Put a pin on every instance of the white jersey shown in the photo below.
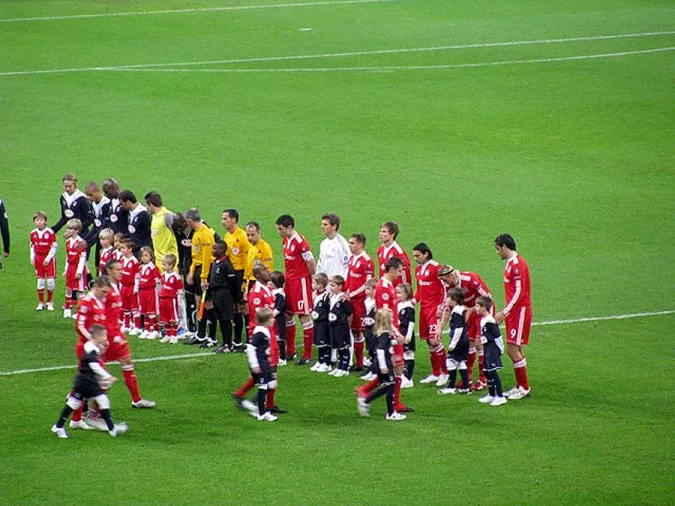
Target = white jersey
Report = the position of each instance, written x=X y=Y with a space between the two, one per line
x=334 y=256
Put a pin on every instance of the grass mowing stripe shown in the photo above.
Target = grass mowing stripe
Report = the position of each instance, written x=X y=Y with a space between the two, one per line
x=334 y=55
x=203 y=354
x=195 y=11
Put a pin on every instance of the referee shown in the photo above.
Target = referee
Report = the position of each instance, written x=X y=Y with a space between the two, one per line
x=203 y=240
x=4 y=230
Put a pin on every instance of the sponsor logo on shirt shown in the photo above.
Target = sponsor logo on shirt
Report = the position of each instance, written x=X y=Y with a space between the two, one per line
x=132 y=229
x=69 y=213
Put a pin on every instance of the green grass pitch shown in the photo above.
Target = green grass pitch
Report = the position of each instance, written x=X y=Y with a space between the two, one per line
x=408 y=110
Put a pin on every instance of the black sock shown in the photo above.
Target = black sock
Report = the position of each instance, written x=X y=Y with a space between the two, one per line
x=262 y=394
x=190 y=307
x=390 y=399
x=213 y=324
x=344 y=358
x=226 y=332
x=491 y=383
x=64 y=416
x=497 y=383
x=409 y=368
x=282 y=348
x=105 y=413
x=201 y=327
x=238 y=321
x=452 y=375
x=378 y=392
x=465 y=377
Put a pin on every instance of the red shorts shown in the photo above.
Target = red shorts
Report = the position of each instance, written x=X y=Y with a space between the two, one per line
x=518 y=324
x=358 y=313
x=298 y=296
x=428 y=322
x=398 y=356
x=42 y=271
x=129 y=298
x=473 y=323
x=118 y=348
x=147 y=300
x=72 y=282
x=168 y=310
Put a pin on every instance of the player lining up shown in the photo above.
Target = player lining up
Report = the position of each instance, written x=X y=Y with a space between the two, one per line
x=42 y=256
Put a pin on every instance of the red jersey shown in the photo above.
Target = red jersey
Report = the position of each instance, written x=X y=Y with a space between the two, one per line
x=172 y=285
x=384 y=253
x=90 y=311
x=106 y=255
x=113 y=311
x=130 y=272
x=75 y=256
x=360 y=269
x=430 y=289
x=472 y=287
x=516 y=284
x=149 y=276
x=117 y=255
x=385 y=297
x=42 y=243
x=296 y=255
x=258 y=297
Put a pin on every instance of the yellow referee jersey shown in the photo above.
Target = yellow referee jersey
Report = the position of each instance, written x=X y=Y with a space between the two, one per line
x=202 y=246
x=261 y=253
x=237 y=248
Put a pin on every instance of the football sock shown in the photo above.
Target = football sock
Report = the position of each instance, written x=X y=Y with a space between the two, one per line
x=481 y=365
x=471 y=361
x=390 y=399
x=308 y=339
x=364 y=390
x=248 y=385
x=138 y=321
x=41 y=294
x=435 y=368
x=269 y=400
x=261 y=401
x=64 y=416
x=344 y=358
x=497 y=383
x=213 y=323
x=379 y=392
x=226 y=332
x=131 y=381
x=77 y=413
x=397 y=393
x=282 y=348
x=105 y=413
x=201 y=327
x=520 y=370
x=464 y=373
x=358 y=352
x=290 y=335
x=238 y=321
x=491 y=383
x=50 y=295
x=126 y=318
x=409 y=368
x=452 y=375
x=190 y=308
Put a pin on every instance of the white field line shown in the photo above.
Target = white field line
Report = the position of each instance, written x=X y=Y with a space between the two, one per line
x=207 y=354
x=342 y=55
x=397 y=67
x=198 y=10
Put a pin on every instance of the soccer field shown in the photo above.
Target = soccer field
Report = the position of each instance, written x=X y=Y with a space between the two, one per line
x=460 y=120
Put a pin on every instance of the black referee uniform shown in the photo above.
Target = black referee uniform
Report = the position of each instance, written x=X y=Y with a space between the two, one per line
x=338 y=323
x=221 y=292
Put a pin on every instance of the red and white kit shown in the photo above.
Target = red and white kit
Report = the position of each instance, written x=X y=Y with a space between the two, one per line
x=298 y=286
x=385 y=297
x=384 y=253
x=359 y=270
x=518 y=309
x=105 y=256
x=118 y=348
x=148 y=288
x=91 y=311
x=129 y=286
x=472 y=287
x=171 y=290
x=430 y=295
x=76 y=263
x=259 y=297
x=43 y=248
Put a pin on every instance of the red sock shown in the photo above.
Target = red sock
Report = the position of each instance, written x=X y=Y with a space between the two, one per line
x=68 y=303
x=126 y=319
x=50 y=295
x=137 y=321
x=470 y=363
x=132 y=382
x=248 y=385
x=364 y=390
x=520 y=369
x=442 y=360
x=146 y=323
x=290 y=337
x=151 y=323
x=308 y=339
x=481 y=366
x=41 y=294
x=77 y=414
x=358 y=352
x=269 y=400
x=172 y=329
x=433 y=357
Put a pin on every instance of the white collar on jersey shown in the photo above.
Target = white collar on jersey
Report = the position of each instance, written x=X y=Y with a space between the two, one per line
x=487 y=319
x=458 y=309
x=89 y=346
x=403 y=305
x=139 y=209
x=264 y=330
x=278 y=291
x=72 y=198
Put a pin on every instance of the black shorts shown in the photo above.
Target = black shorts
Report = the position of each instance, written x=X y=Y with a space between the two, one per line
x=493 y=357
x=196 y=287
x=86 y=390
x=223 y=304
x=339 y=336
x=264 y=376
x=385 y=379
x=239 y=279
x=409 y=346
x=461 y=351
x=321 y=333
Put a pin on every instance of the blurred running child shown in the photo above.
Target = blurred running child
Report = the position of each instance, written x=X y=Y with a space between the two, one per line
x=257 y=352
